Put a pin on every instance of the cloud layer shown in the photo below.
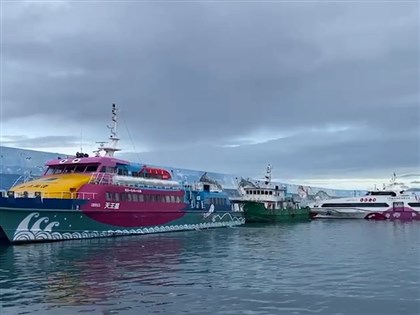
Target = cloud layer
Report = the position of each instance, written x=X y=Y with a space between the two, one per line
x=315 y=88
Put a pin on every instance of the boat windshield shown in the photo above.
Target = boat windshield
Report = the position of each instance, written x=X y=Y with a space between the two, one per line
x=65 y=169
x=381 y=193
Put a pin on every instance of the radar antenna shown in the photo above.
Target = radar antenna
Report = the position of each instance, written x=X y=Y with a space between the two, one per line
x=112 y=147
x=268 y=175
x=101 y=147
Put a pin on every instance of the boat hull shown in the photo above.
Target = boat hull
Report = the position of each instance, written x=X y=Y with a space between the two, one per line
x=256 y=212
x=401 y=214
x=317 y=213
x=41 y=225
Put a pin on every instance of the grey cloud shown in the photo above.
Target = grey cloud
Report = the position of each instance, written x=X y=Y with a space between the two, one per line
x=46 y=142
x=192 y=76
x=322 y=155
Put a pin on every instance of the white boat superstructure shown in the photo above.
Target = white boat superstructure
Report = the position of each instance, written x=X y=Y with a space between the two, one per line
x=273 y=196
x=388 y=203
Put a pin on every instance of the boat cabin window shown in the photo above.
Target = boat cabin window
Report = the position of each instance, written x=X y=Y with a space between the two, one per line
x=355 y=205
x=91 y=168
x=65 y=169
x=107 y=169
x=121 y=170
x=108 y=196
x=135 y=197
x=381 y=193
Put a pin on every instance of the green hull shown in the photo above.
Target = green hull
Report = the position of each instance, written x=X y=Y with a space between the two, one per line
x=256 y=212
x=36 y=225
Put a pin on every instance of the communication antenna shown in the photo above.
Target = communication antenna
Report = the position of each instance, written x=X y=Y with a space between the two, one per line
x=268 y=175
x=81 y=140
x=109 y=150
x=100 y=148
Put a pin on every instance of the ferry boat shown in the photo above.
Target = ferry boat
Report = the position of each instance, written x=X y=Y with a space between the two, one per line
x=101 y=196
x=268 y=204
x=390 y=203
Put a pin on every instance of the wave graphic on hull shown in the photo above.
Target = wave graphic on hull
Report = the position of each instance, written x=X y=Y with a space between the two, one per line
x=220 y=218
x=27 y=233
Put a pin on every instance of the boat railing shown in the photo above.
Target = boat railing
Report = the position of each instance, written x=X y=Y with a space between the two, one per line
x=53 y=195
x=130 y=181
x=101 y=179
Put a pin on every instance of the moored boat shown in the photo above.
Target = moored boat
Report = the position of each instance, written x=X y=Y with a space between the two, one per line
x=268 y=204
x=390 y=203
x=100 y=196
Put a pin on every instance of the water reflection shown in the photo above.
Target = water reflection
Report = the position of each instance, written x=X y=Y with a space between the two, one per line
x=86 y=271
x=324 y=267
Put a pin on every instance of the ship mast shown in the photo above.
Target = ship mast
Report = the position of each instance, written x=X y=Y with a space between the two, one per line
x=112 y=147
x=268 y=175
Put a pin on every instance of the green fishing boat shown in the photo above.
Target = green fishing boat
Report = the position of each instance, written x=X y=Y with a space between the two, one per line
x=268 y=204
x=263 y=212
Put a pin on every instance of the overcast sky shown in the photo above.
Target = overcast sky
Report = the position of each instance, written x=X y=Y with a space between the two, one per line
x=321 y=89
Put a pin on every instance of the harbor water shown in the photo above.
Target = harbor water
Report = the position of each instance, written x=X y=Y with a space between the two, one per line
x=319 y=267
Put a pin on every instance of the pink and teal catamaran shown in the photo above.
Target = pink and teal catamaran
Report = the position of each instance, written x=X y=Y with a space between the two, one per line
x=102 y=196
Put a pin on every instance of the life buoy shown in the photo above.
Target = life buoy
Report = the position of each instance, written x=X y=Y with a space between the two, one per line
x=63 y=161
x=76 y=160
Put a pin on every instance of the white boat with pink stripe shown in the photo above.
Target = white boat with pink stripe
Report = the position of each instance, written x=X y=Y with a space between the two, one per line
x=393 y=202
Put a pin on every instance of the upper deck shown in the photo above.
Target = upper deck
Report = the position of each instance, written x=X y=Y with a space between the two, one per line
x=95 y=160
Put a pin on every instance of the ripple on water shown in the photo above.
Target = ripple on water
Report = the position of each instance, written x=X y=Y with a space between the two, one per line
x=335 y=267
